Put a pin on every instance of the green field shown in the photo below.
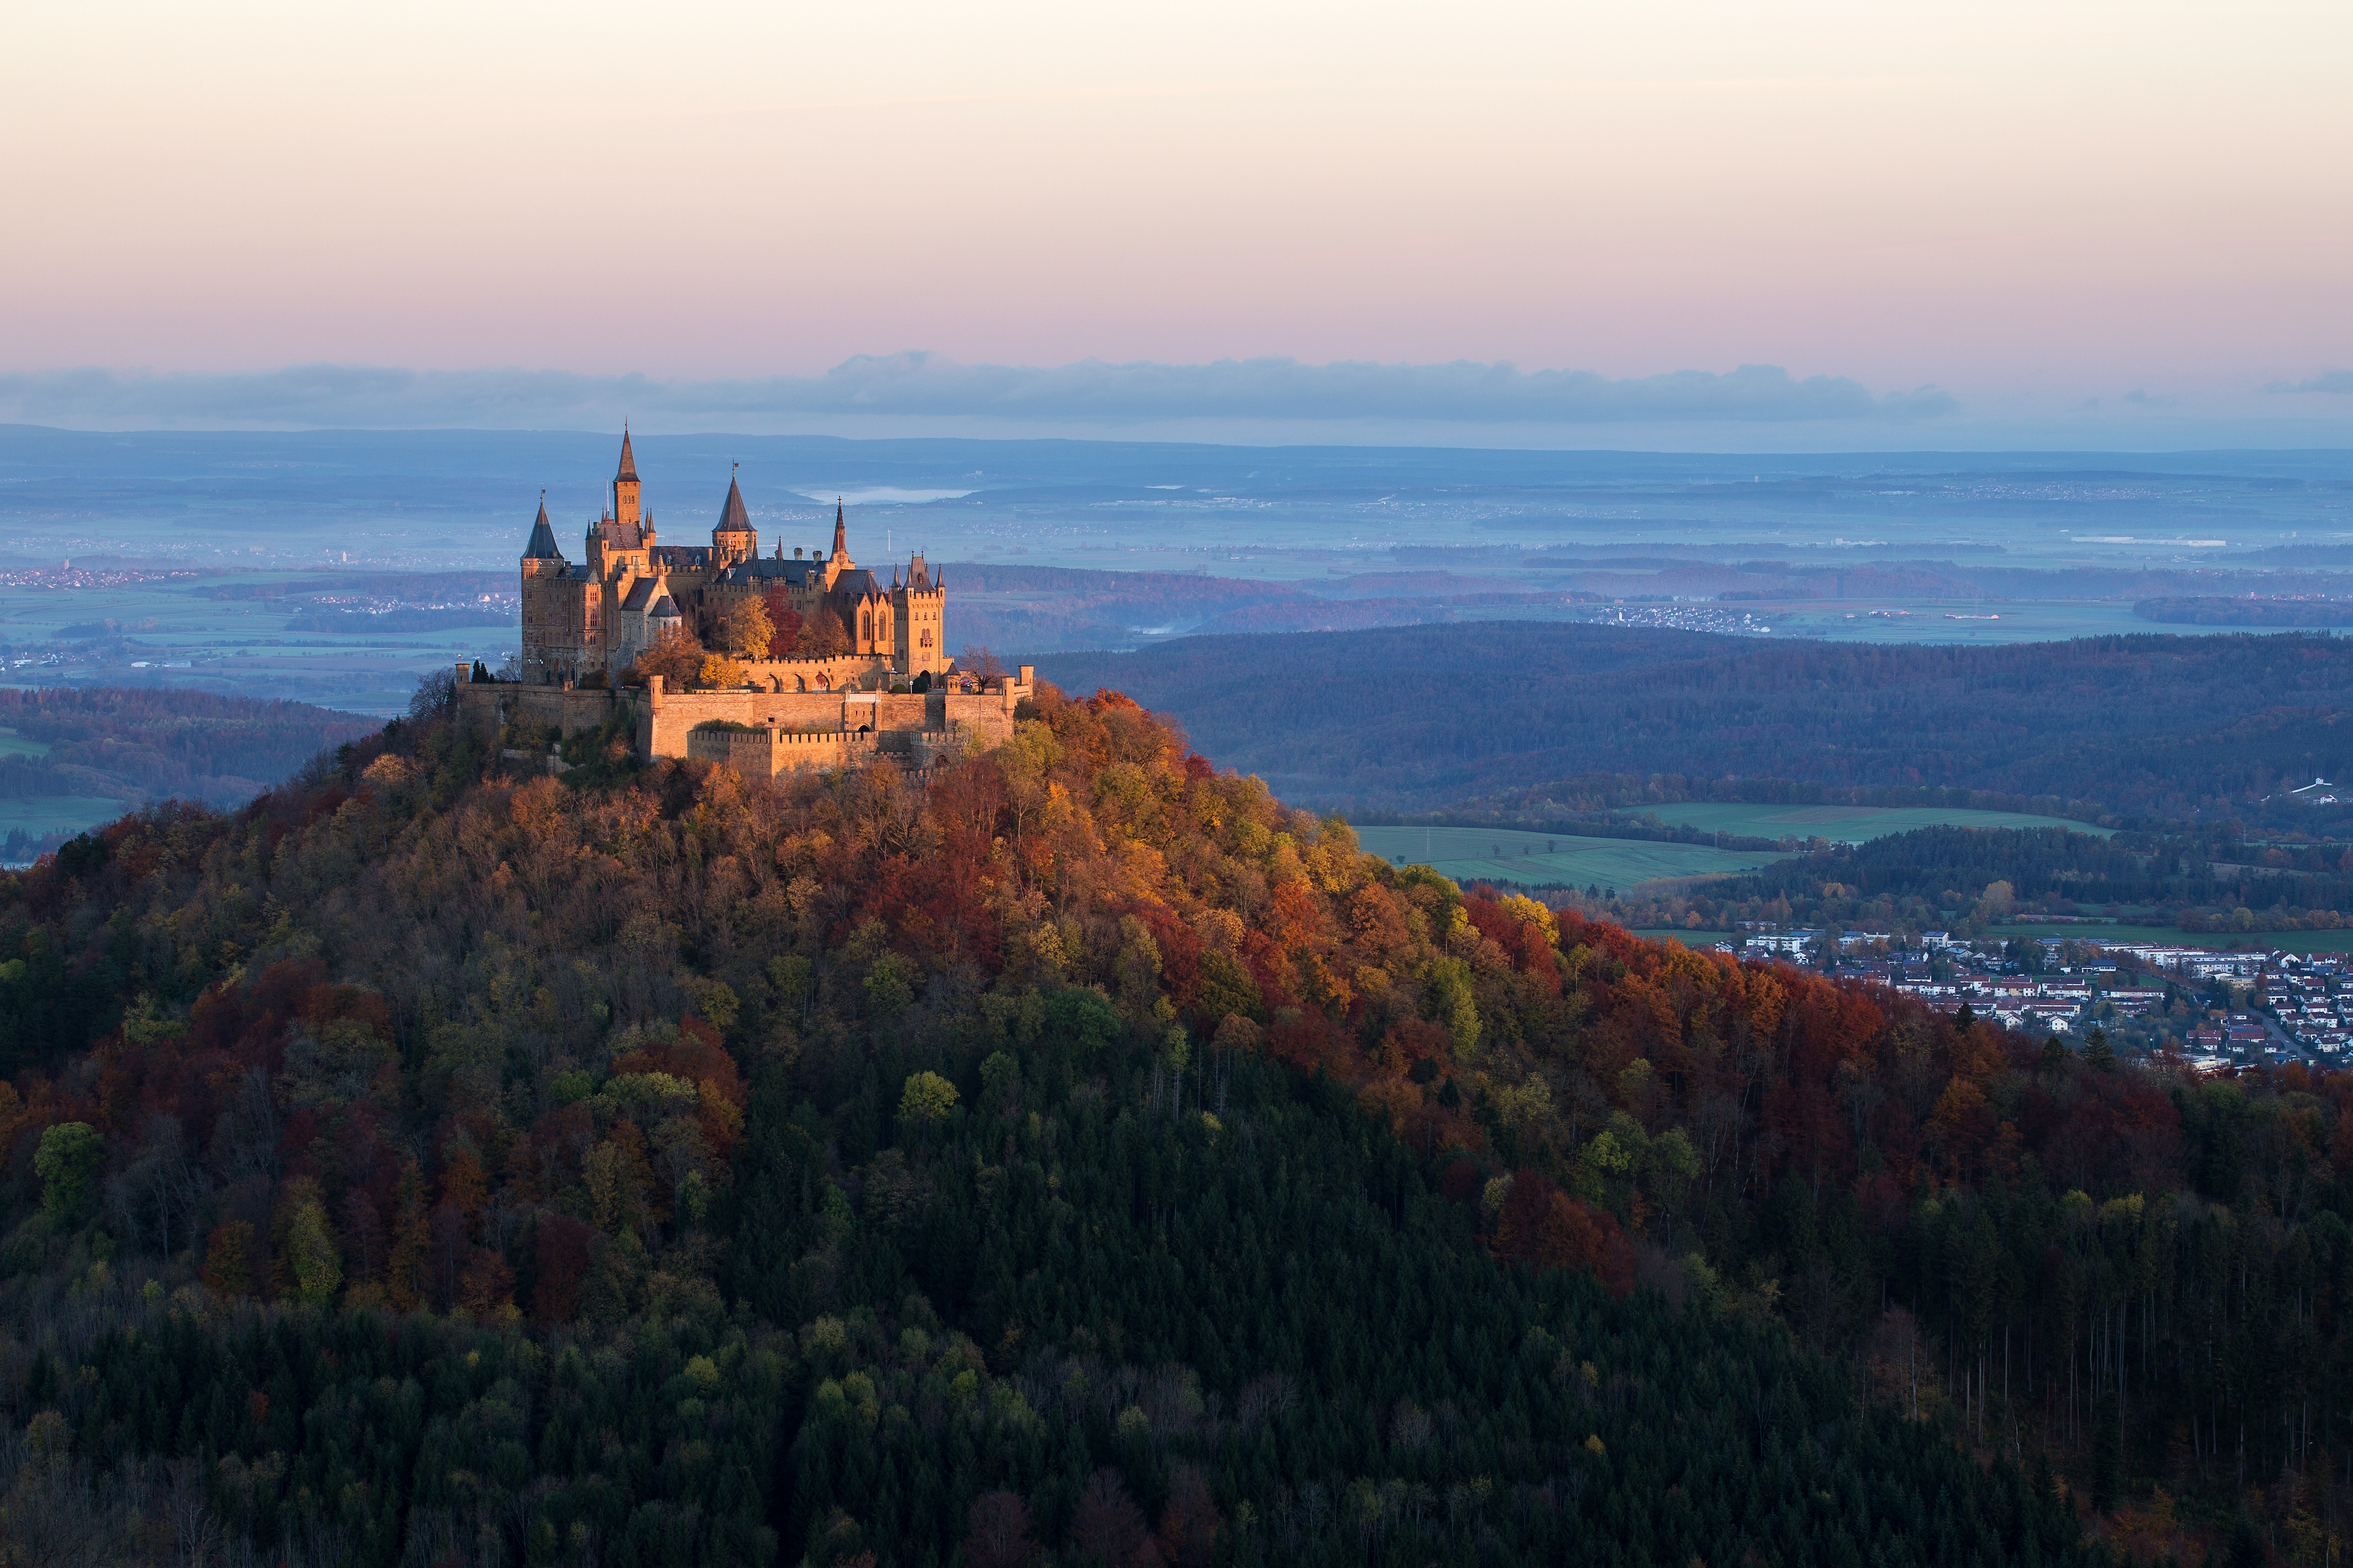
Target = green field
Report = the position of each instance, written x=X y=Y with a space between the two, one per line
x=2289 y=940
x=12 y=744
x=41 y=813
x=1844 y=824
x=1502 y=855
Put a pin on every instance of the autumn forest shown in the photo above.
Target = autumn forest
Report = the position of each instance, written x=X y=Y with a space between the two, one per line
x=1072 y=1156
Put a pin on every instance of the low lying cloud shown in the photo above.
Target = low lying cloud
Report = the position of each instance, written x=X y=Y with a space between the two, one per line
x=930 y=386
x=2326 y=381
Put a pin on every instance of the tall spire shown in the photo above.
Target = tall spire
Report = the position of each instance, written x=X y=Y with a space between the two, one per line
x=628 y=458
x=841 y=537
x=543 y=537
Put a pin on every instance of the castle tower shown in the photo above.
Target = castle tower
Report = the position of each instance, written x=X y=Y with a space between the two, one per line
x=840 y=529
x=546 y=628
x=625 y=486
x=734 y=539
x=919 y=622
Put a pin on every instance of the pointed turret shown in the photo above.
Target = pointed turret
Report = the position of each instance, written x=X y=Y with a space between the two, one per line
x=543 y=537
x=731 y=539
x=626 y=490
x=840 y=535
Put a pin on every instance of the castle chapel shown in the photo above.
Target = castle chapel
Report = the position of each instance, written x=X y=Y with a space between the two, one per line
x=594 y=617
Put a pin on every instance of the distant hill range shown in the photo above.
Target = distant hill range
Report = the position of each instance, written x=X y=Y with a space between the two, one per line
x=1400 y=719
x=1038 y=610
x=1029 y=610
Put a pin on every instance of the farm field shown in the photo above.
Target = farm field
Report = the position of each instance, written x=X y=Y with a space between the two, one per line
x=1502 y=855
x=42 y=814
x=1845 y=824
x=175 y=632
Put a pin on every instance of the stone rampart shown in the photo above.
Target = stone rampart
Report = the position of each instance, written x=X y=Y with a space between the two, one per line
x=486 y=709
x=760 y=733
x=765 y=753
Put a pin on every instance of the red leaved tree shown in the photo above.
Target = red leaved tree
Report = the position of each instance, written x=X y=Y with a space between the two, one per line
x=1542 y=1225
x=784 y=622
x=1108 y=1527
x=997 y=1531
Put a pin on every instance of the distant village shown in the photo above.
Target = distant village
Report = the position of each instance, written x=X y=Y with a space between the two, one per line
x=2211 y=1007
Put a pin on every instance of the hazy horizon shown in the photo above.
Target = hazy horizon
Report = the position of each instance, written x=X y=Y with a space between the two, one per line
x=1823 y=226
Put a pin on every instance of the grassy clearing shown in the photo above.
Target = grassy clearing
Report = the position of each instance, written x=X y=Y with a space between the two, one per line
x=12 y=744
x=1845 y=824
x=1500 y=854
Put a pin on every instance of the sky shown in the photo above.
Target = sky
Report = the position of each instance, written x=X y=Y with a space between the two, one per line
x=1612 y=223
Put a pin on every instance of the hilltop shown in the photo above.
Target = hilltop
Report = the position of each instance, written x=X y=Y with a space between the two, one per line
x=1088 y=1158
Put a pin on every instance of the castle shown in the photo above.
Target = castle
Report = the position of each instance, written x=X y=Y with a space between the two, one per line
x=887 y=690
x=596 y=618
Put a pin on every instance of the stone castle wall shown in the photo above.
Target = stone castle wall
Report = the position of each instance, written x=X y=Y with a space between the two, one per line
x=782 y=730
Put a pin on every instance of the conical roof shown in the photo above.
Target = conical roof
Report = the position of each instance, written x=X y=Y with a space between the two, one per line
x=840 y=535
x=628 y=458
x=733 y=518
x=543 y=539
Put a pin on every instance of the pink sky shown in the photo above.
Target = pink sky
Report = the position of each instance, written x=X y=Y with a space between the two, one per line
x=2029 y=205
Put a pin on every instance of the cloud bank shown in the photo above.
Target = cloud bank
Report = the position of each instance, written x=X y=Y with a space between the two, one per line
x=2326 y=381
x=928 y=385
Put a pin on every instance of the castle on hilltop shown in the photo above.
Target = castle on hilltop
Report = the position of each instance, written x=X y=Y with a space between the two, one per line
x=883 y=687
x=594 y=619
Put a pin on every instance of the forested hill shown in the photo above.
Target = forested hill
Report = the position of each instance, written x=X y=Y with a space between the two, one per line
x=1395 y=719
x=149 y=743
x=1083 y=1160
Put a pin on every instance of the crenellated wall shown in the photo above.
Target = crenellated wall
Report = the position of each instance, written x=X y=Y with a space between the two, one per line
x=781 y=730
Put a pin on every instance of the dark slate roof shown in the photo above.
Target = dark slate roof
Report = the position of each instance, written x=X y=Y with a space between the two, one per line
x=733 y=518
x=857 y=583
x=628 y=458
x=682 y=555
x=641 y=594
x=768 y=569
x=543 y=540
x=663 y=609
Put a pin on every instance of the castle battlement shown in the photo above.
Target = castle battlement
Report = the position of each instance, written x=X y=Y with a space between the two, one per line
x=760 y=735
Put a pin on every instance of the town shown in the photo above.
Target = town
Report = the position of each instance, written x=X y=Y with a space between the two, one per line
x=2209 y=1007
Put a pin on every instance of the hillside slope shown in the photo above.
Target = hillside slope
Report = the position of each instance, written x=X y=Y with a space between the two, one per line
x=1087 y=1159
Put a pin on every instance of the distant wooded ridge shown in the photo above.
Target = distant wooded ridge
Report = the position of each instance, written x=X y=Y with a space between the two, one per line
x=2221 y=612
x=134 y=743
x=1404 y=718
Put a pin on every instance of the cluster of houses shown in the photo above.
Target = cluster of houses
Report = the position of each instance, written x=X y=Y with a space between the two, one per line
x=2313 y=1000
x=2295 y=1004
